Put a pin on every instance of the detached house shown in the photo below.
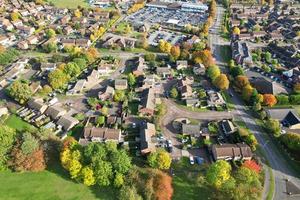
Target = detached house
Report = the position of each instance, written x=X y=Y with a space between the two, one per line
x=289 y=118
x=181 y=64
x=265 y=86
x=108 y=93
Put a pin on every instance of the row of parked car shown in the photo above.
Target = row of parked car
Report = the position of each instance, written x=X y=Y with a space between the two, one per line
x=273 y=76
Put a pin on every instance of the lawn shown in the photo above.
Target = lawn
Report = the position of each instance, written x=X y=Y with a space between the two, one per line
x=48 y=185
x=225 y=53
x=69 y=3
x=188 y=182
x=17 y=123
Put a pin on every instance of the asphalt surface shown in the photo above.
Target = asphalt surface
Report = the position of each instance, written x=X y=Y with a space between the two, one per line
x=279 y=165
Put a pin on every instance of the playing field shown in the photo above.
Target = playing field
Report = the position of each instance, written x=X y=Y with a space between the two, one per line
x=69 y=3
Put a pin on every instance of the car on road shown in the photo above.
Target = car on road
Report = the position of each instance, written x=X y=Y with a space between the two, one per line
x=122 y=71
x=192 y=161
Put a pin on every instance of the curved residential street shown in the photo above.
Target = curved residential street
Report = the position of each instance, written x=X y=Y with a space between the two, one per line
x=280 y=167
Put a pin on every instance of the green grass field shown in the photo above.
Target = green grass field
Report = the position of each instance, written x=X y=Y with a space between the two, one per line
x=188 y=181
x=17 y=123
x=69 y=3
x=48 y=185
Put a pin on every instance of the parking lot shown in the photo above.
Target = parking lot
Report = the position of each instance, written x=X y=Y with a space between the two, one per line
x=173 y=38
x=258 y=72
x=165 y=16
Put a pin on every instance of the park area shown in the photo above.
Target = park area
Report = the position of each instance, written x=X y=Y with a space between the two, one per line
x=48 y=185
x=69 y=3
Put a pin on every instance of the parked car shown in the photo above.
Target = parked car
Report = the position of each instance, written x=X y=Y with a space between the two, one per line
x=199 y=160
x=192 y=161
x=169 y=146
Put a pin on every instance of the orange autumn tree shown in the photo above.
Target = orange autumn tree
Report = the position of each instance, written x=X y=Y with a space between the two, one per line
x=241 y=81
x=205 y=57
x=163 y=186
x=269 y=100
x=252 y=165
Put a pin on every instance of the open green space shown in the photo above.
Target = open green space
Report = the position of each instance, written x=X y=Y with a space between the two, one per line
x=17 y=123
x=69 y=3
x=52 y=184
x=188 y=181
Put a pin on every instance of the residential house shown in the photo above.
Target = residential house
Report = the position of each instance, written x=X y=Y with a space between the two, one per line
x=147 y=106
x=199 y=69
x=92 y=79
x=84 y=43
x=47 y=66
x=231 y=152
x=121 y=84
x=78 y=87
x=163 y=71
x=140 y=65
x=32 y=40
x=241 y=53
x=215 y=99
x=55 y=112
x=23 y=45
x=4 y=41
x=192 y=102
x=181 y=64
x=228 y=127
x=266 y=86
x=67 y=122
x=147 y=134
x=288 y=117
x=149 y=81
x=97 y=134
x=108 y=93
x=37 y=105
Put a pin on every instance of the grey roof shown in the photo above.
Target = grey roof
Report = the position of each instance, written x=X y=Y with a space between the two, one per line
x=55 y=112
x=67 y=122
x=279 y=113
x=265 y=86
x=148 y=99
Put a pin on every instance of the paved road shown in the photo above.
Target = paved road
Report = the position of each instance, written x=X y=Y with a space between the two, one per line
x=216 y=42
x=280 y=167
x=174 y=111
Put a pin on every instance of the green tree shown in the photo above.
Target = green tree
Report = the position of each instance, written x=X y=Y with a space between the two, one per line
x=119 y=95
x=100 y=120
x=57 y=79
x=87 y=176
x=103 y=172
x=218 y=173
x=221 y=82
x=292 y=141
x=20 y=91
x=121 y=162
x=150 y=57
x=7 y=139
x=131 y=80
x=159 y=159
x=202 y=93
x=237 y=71
x=74 y=168
x=129 y=193
x=81 y=63
x=29 y=143
x=50 y=47
x=273 y=127
x=119 y=180
x=213 y=72
x=72 y=69
x=50 y=33
x=174 y=92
